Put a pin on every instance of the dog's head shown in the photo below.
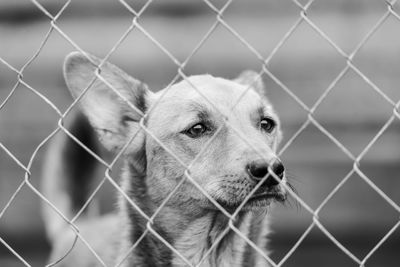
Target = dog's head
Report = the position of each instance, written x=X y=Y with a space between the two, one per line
x=221 y=133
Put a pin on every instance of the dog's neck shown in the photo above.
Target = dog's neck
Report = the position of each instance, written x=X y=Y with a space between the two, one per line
x=210 y=241
x=205 y=238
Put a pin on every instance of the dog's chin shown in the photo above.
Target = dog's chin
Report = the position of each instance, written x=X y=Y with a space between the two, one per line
x=257 y=202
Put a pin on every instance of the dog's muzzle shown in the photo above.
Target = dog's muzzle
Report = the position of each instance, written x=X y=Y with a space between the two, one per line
x=259 y=171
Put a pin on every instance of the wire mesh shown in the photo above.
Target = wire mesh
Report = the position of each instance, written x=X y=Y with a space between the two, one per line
x=135 y=25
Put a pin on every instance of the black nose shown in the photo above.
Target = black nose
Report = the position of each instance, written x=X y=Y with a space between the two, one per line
x=259 y=169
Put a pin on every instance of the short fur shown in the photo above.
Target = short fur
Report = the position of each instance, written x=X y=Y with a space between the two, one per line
x=189 y=221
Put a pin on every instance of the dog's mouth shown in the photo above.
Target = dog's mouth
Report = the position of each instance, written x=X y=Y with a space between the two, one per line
x=274 y=193
x=267 y=196
x=259 y=200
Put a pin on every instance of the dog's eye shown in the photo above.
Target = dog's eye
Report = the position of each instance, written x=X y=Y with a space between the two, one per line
x=196 y=130
x=267 y=125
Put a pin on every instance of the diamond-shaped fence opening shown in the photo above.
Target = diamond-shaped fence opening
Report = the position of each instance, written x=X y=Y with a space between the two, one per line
x=164 y=43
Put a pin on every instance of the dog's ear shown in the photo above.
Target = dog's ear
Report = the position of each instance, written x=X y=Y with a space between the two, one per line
x=252 y=79
x=114 y=118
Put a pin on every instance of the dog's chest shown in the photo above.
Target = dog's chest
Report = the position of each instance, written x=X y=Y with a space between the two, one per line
x=198 y=245
x=198 y=250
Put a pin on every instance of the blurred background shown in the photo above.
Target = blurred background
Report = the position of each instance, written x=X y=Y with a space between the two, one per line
x=353 y=112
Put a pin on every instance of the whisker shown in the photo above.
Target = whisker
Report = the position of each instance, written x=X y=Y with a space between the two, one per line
x=291 y=201
x=294 y=177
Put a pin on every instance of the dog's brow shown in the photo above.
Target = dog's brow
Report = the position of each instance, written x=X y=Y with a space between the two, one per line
x=201 y=111
x=261 y=111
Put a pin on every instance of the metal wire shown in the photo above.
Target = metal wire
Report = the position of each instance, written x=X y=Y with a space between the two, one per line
x=264 y=70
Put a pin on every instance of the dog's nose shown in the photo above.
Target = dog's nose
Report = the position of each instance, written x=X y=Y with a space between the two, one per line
x=277 y=168
x=257 y=170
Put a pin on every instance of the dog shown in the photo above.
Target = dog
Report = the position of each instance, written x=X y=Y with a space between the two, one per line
x=214 y=138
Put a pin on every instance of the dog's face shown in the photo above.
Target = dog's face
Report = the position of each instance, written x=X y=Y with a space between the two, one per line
x=225 y=131
x=230 y=126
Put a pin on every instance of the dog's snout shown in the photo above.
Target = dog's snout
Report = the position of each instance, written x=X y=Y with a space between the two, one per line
x=257 y=170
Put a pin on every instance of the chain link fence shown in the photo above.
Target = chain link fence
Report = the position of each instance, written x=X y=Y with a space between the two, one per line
x=180 y=65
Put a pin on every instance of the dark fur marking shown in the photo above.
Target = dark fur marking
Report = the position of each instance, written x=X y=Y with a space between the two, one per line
x=82 y=165
x=141 y=103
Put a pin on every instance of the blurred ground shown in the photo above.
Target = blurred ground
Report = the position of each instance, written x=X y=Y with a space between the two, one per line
x=353 y=112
